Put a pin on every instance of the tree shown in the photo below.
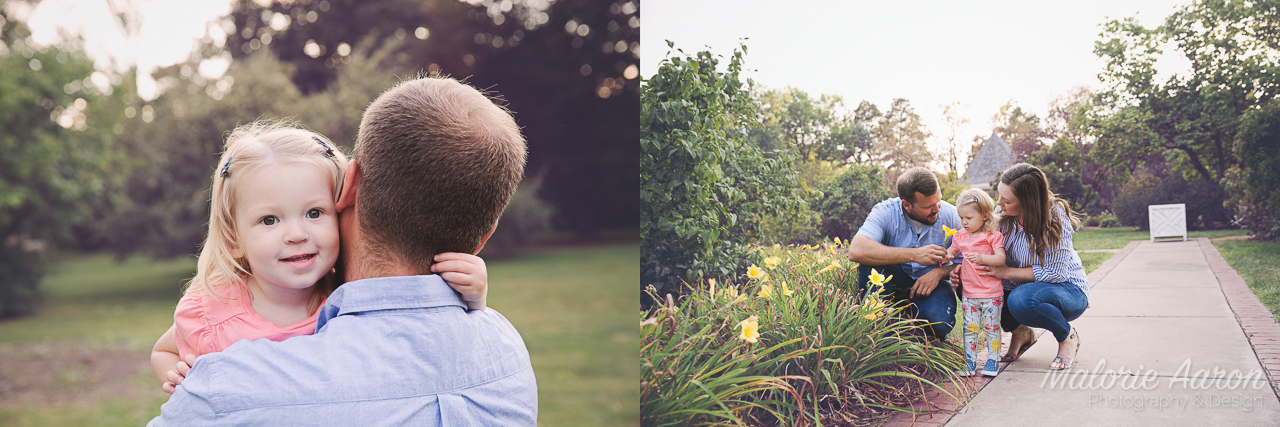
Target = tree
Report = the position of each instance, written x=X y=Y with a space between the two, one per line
x=1062 y=164
x=701 y=183
x=815 y=129
x=951 y=115
x=61 y=163
x=568 y=69
x=900 y=138
x=1019 y=128
x=1255 y=184
x=1191 y=118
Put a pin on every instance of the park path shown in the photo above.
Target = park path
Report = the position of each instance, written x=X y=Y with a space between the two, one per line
x=1170 y=331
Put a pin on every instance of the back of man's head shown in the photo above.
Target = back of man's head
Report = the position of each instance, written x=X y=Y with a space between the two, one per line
x=916 y=180
x=438 y=161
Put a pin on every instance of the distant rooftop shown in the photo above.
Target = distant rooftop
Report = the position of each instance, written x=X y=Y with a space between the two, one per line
x=994 y=157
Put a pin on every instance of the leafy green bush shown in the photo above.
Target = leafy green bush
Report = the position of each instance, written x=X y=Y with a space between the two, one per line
x=1109 y=221
x=848 y=198
x=794 y=344
x=1204 y=200
x=1255 y=185
x=702 y=187
x=526 y=215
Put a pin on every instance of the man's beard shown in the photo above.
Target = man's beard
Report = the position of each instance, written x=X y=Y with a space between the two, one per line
x=924 y=220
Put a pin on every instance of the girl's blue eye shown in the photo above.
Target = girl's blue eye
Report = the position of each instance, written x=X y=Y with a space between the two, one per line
x=313 y=214
x=270 y=220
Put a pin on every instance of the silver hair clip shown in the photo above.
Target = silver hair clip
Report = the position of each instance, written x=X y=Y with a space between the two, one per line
x=975 y=199
x=328 y=151
x=225 y=171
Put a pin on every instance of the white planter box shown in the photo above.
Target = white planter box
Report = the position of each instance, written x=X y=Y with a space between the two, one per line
x=1168 y=221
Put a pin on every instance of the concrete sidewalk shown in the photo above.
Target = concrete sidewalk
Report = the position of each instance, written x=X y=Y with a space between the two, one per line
x=1160 y=344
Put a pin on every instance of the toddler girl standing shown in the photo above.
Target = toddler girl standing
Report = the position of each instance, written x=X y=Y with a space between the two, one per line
x=266 y=265
x=983 y=296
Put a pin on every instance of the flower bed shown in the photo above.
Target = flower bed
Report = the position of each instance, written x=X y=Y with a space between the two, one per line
x=793 y=343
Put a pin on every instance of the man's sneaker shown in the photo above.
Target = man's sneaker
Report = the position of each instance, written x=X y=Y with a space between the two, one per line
x=991 y=369
x=968 y=370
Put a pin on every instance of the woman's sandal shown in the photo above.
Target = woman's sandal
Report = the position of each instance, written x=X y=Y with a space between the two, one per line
x=1067 y=362
x=1015 y=353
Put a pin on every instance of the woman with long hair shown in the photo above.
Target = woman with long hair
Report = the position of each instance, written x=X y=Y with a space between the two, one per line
x=1044 y=280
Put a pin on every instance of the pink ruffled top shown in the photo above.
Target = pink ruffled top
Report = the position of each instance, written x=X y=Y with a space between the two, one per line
x=203 y=324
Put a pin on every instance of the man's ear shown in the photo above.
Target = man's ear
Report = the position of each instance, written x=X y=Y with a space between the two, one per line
x=486 y=238
x=347 y=197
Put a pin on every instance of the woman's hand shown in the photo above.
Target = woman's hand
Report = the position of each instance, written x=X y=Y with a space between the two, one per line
x=1004 y=272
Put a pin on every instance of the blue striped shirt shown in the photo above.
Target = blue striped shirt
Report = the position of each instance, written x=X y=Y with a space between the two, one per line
x=1061 y=264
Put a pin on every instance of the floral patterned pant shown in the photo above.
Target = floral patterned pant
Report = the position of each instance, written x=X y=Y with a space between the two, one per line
x=984 y=314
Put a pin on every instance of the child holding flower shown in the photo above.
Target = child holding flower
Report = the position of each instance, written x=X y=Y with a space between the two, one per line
x=983 y=296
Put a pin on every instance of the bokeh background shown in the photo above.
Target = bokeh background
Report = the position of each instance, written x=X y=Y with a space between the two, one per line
x=107 y=159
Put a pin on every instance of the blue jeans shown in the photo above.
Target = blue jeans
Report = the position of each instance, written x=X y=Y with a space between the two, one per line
x=1044 y=305
x=938 y=308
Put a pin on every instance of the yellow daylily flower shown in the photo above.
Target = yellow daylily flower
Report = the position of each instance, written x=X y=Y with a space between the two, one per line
x=786 y=292
x=755 y=272
x=777 y=246
x=713 y=286
x=948 y=232
x=732 y=291
x=766 y=292
x=772 y=262
x=871 y=316
x=878 y=278
x=750 y=329
x=835 y=265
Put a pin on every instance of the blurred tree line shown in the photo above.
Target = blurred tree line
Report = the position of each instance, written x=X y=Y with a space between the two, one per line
x=98 y=168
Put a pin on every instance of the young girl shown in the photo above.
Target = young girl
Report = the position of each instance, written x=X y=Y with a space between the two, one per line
x=983 y=296
x=266 y=266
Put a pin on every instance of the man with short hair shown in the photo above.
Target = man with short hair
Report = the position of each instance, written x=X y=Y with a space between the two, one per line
x=434 y=165
x=903 y=237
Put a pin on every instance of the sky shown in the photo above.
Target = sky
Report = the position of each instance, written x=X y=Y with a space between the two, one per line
x=168 y=33
x=981 y=54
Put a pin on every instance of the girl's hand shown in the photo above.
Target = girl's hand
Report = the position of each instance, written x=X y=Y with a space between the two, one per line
x=951 y=253
x=974 y=258
x=178 y=373
x=466 y=274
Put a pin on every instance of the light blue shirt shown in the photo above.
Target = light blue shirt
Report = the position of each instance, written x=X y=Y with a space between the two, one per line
x=387 y=351
x=887 y=223
x=1061 y=264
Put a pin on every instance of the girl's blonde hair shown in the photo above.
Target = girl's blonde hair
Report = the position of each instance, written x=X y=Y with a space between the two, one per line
x=980 y=200
x=251 y=146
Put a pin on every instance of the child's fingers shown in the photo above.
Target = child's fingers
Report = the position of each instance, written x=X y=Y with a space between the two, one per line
x=456 y=256
x=167 y=387
x=453 y=266
x=173 y=377
x=459 y=279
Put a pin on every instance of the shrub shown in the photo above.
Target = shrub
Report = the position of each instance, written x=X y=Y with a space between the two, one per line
x=701 y=185
x=525 y=216
x=822 y=351
x=1109 y=221
x=1092 y=221
x=1204 y=200
x=1255 y=184
x=848 y=198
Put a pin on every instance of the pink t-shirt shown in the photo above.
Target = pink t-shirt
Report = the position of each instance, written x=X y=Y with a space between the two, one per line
x=204 y=325
x=976 y=286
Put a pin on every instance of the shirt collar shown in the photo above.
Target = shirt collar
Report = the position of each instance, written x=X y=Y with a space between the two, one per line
x=388 y=293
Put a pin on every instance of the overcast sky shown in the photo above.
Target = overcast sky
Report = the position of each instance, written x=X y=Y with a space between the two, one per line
x=981 y=54
x=167 y=35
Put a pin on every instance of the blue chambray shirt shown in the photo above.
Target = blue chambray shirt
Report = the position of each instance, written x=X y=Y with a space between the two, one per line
x=387 y=351
x=887 y=224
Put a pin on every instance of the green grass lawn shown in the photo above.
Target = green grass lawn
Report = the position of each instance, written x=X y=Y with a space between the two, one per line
x=1259 y=264
x=573 y=306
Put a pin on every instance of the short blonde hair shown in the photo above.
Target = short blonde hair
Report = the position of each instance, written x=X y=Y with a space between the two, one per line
x=438 y=163
x=248 y=147
x=983 y=203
